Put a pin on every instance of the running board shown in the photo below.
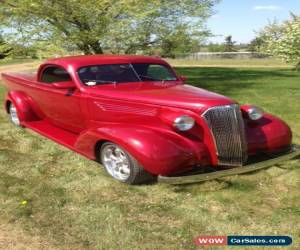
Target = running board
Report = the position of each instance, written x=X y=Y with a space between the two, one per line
x=61 y=136
x=294 y=152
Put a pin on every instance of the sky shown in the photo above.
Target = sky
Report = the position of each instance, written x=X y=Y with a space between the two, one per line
x=241 y=18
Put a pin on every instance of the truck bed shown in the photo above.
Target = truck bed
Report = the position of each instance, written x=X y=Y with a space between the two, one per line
x=26 y=75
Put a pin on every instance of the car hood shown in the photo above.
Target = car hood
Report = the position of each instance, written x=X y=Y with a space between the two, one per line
x=175 y=95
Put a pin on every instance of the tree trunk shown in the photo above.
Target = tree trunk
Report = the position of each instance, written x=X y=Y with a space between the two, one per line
x=84 y=48
x=298 y=66
x=90 y=48
x=96 y=48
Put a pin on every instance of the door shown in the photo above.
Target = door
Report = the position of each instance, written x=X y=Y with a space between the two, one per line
x=62 y=107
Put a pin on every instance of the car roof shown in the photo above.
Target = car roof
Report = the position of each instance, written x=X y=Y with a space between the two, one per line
x=86 y=60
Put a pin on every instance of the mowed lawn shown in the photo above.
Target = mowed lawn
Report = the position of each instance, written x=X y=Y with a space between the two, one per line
x=52 y=198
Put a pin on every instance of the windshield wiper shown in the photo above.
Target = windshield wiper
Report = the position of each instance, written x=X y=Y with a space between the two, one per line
x=152 y=78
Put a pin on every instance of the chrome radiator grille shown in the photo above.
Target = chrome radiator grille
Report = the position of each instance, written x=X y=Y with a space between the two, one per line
x=227 y=127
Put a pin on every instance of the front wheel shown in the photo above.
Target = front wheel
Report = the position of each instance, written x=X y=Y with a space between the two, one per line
x=121 y=165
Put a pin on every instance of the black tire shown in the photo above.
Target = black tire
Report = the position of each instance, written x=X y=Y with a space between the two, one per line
x=137 y=175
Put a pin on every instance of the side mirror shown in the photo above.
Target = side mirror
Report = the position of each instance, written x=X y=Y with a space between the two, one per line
x=183 y=78
x=64 y=85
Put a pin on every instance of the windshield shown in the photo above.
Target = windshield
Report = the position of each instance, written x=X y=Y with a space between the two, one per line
x=120 y=73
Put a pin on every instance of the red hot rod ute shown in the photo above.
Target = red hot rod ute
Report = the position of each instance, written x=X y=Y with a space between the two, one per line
x=139 y=119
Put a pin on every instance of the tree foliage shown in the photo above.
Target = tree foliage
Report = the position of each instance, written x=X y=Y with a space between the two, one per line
x=93 y=26
x=283 y=40
x=5 y=48
x=256 y=44
x=180 y=41
x=214 y=47
x=229 y=44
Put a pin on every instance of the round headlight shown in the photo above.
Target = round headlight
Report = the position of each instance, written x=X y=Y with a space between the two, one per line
x=184 y=123
x=255 y=113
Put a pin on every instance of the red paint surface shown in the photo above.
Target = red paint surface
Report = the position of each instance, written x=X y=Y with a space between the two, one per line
x=137 y=116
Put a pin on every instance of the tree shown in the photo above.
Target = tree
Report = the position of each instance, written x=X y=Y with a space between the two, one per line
x=94 y=25
x=215 y=47
x=179 y=41
x=283 y=40
x=255 y=44
x=5 y=48
x=229 y=44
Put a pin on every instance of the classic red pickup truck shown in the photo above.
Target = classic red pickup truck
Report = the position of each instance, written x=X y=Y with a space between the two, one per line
x=138 y=118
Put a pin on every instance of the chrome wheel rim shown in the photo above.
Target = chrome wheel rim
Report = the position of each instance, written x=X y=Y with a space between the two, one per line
x=14 y=115
x=116 y=162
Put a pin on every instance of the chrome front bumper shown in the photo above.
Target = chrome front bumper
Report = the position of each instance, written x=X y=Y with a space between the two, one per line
x=186 y=179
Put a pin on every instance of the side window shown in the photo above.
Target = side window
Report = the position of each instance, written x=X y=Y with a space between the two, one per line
x=55 y=74
x=159 y=72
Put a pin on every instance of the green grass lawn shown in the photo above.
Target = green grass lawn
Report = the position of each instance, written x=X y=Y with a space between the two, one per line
x=59 y=200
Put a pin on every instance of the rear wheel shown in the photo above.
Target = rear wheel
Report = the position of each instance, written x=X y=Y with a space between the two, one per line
x=121 y=165
x=13 y=114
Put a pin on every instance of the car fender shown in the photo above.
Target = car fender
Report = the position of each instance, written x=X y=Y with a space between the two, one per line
x=158 y=151
x=261 y=137
x=23 y=105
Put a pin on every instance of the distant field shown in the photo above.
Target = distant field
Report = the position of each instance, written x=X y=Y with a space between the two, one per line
x=52 y=198
x=231 y=63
